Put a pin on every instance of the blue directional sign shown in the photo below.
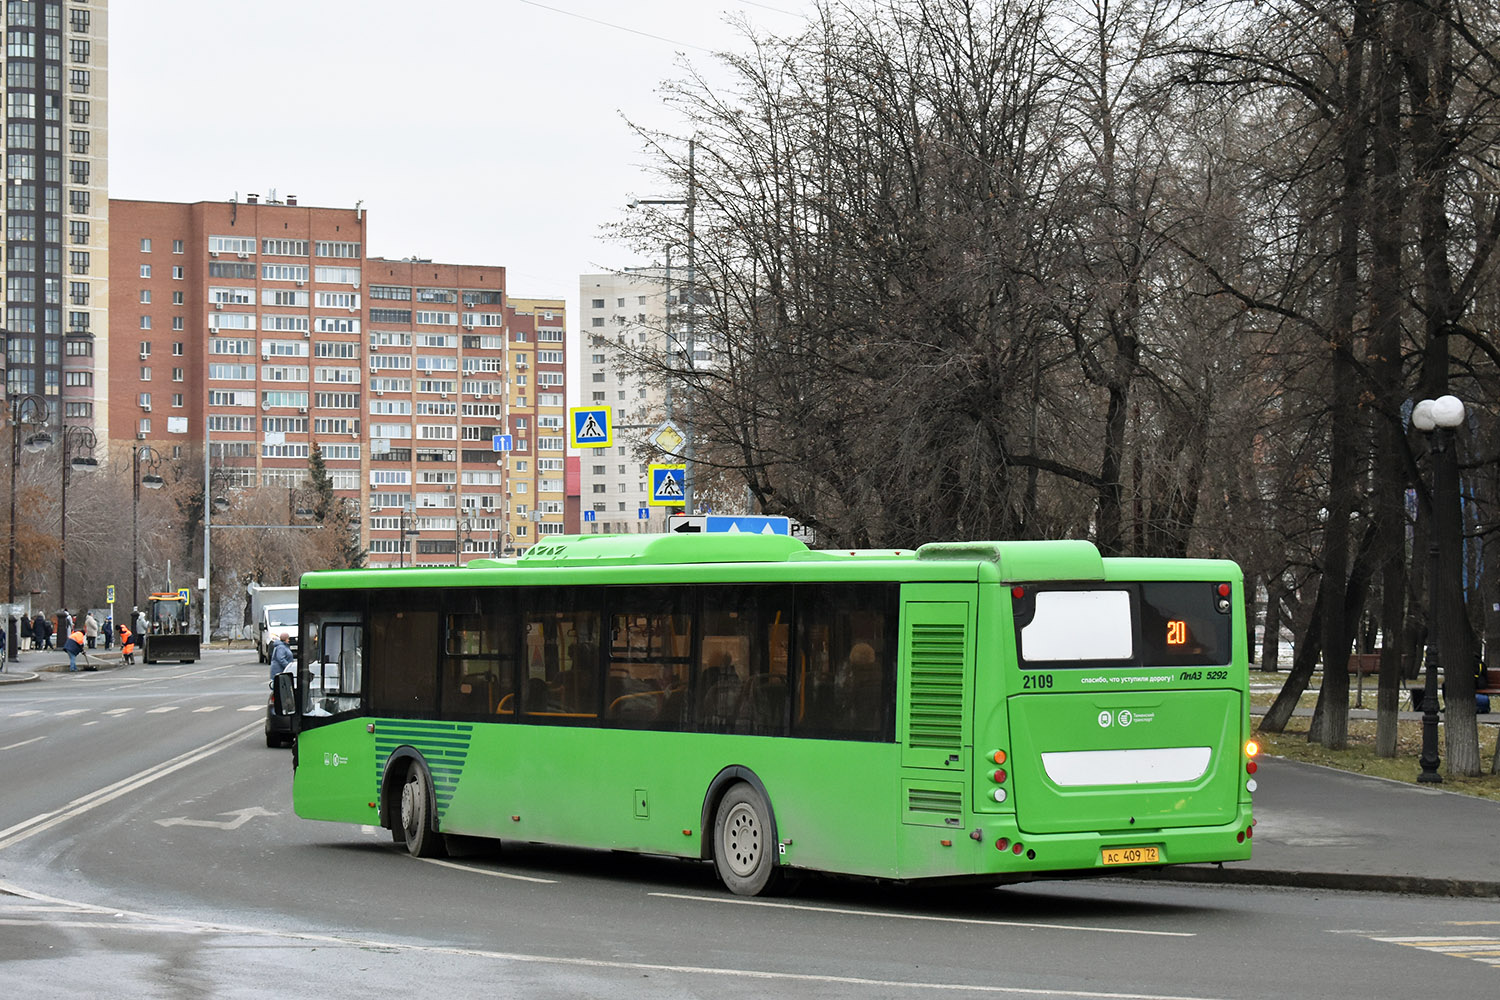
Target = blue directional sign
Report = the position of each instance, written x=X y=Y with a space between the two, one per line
x=748 y=524
x=590 y=426
x=502 y=442
x=643 y=513
x=668 y=485
x=590 y=515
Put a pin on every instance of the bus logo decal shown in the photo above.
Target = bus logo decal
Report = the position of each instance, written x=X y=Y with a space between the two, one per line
x=1105 y=718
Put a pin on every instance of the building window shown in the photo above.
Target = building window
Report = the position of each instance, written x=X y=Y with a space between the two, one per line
x=78 y=171
x=78 y=49
x=79 y=202
x=79 y=231
x=145 y=322
x=145 y=246
x=78 y=261
x=145 y=296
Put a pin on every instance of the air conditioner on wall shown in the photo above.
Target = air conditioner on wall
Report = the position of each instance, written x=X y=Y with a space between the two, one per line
x=301 y=409
x=243 y=255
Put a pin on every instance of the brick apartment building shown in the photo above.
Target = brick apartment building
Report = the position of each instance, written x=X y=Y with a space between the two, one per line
x=266 y=324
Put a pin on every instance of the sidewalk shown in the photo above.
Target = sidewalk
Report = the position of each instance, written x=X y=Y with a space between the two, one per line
x=1322 y=828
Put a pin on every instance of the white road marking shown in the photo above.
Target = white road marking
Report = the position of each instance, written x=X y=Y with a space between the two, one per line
x=487 y=871
x=118 y=711
x=111 y=919
x=740 y=901
x=84 y=803
x=22 y=715
x=208 y=708
x=241 y=817
x=253 y=708
x=35 y=739
x=164 y=708
x=71 y=711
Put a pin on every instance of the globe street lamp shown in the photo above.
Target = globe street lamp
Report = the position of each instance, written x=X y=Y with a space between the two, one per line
x=1436 y=418
x=30 y=410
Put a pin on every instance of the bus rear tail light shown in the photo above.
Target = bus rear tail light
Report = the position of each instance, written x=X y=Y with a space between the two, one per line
x=1003 y=844
x=1221 y=598
x=998 y=776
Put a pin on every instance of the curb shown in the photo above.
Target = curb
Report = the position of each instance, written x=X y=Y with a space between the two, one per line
x=1414 y=885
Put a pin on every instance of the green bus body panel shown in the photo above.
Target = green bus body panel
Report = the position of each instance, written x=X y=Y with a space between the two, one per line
x=1063 y=723
x=922 y=806
x=580 y=787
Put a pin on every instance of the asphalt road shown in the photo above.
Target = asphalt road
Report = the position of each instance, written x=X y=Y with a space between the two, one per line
x=148 y=849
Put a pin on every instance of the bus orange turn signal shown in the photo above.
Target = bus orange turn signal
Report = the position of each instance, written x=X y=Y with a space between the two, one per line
x=998 y=757
x=1251 y=748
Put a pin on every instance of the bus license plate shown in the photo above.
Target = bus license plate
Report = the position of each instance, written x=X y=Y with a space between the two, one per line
x=1131 y=856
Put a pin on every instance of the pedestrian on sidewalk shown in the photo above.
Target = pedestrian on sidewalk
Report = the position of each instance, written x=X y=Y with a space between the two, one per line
x=127 y=645
x=41 y=632
x=109 y=631
x=73 y=646
x=4 y=634
x=23 y=637
x=91 y=629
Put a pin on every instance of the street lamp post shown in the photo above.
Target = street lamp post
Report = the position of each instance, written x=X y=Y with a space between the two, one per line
x=152 y=481
x=690 y=203
x=1436 y=418
x=31 y=410
x=74 y=440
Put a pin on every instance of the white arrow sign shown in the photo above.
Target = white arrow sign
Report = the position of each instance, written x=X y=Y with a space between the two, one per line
x=241 y=817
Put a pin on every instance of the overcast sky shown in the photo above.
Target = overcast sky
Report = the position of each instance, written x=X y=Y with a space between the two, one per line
x=474 y=131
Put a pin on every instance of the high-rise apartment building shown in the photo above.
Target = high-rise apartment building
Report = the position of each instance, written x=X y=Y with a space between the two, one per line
x=264 y=329
x=56 y=232
x=622 y=313
x=538 y=421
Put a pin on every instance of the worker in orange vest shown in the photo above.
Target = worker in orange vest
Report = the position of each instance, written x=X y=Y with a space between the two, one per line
x=127 y=645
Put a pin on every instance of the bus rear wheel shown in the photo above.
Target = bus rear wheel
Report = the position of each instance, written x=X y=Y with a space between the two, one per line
x=744 y=843
x=415 y=819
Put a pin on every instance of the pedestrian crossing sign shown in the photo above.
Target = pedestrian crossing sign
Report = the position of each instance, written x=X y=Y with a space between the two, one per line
x=668 y=485
x=590 y=426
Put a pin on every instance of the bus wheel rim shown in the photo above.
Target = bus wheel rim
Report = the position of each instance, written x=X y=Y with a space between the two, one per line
x=742 y=834
x=408 y=806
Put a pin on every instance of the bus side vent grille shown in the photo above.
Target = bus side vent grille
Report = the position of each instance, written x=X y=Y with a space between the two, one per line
x=934 y=800
x=937 y=687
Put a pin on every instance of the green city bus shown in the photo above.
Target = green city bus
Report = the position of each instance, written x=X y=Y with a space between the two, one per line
x=985 y=711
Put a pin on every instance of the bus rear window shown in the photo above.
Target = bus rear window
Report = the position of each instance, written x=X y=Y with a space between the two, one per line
x=1145 y=624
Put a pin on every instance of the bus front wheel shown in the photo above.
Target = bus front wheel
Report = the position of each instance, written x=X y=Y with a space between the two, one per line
x=744 y=843
x=416 y=817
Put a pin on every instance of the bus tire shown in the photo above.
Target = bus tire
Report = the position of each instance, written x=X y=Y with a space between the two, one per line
x=745 y=843
x=415 y=818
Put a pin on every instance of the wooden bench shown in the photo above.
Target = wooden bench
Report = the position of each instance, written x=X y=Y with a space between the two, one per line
x=1365 y=664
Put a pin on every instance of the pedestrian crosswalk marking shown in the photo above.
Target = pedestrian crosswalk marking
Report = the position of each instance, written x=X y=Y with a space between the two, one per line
x=1479 y=949
x=72 y=711
x=118 y=711
x=164 y=708
x=253 y=708
x=208 y=708
x=22 y=715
